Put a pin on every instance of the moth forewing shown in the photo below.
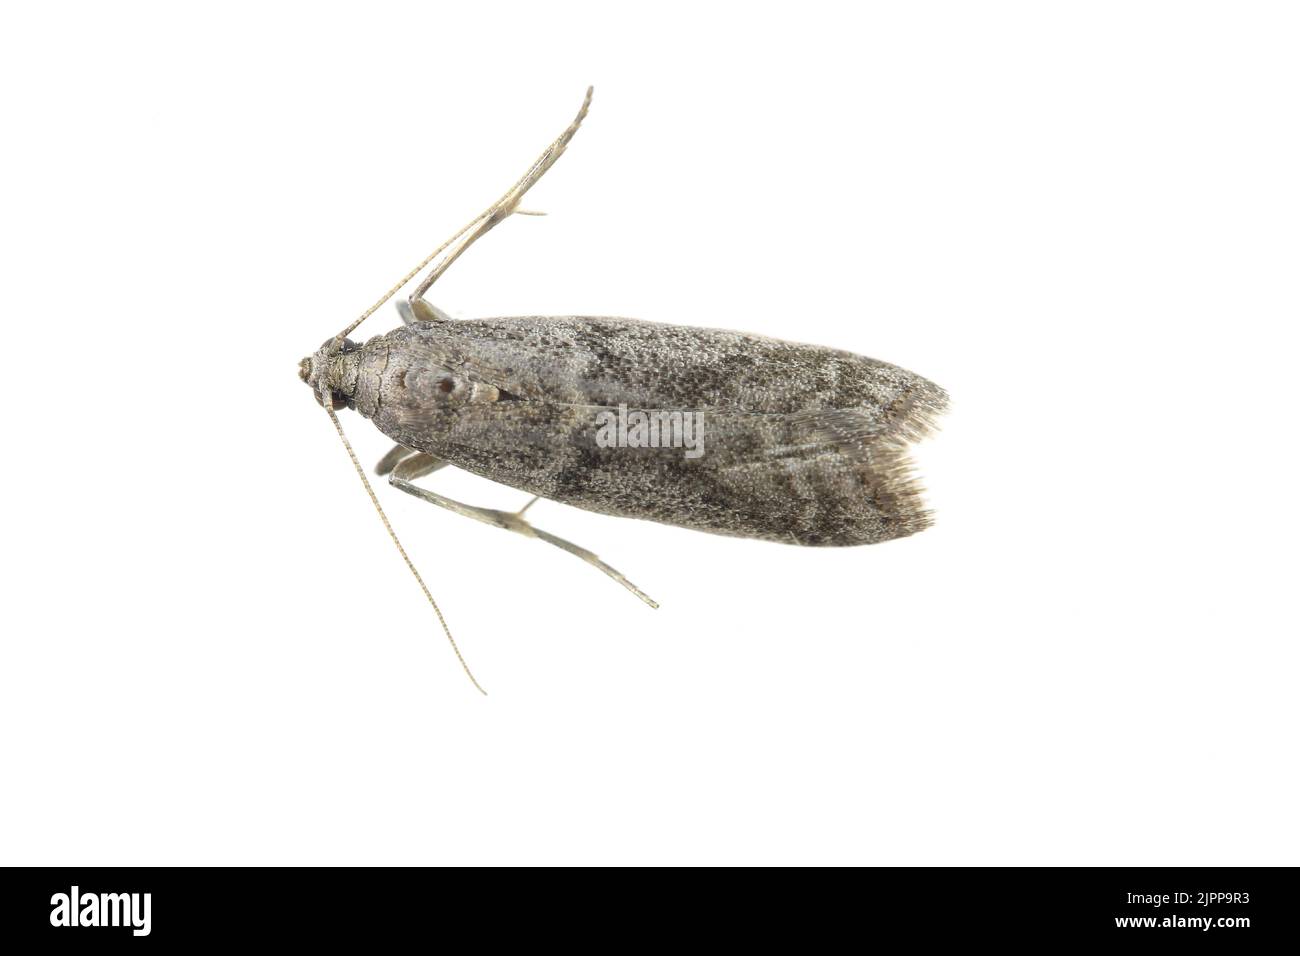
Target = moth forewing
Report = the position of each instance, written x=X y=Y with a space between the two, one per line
x=800 y=443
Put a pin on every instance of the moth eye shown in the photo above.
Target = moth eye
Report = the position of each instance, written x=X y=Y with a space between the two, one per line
x=446 y=385
x=337 y=401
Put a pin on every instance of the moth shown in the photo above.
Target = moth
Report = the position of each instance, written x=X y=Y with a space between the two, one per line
x=706 y=429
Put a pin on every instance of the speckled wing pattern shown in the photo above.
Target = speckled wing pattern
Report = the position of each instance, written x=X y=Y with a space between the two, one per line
x=801 y=444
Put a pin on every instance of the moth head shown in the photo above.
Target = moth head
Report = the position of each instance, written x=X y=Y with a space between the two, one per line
x=321 y=371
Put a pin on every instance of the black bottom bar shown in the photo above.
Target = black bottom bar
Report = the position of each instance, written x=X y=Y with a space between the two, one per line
x=1228 y=907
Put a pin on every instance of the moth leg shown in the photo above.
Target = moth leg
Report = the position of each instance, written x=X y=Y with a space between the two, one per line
x=391 y=458
x=421 y=464
x=507 y=204
x=420 y=310
x=417 y=463
x=484 y=221
x=586 y=555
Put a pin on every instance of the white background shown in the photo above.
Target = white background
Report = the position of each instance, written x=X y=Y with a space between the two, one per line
x=1079 y=218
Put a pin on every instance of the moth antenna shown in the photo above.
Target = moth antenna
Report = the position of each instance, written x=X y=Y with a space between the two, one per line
x=508 y=201
x=374 y=500
x=415 y=272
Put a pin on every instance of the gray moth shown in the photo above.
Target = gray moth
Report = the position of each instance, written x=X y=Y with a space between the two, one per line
x=707 y=429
